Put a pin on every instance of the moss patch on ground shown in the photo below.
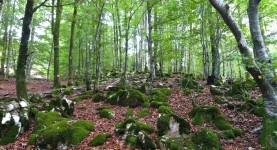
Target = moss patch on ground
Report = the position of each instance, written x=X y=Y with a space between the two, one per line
x=209 y=113
x=206 y=139
x=100 y=139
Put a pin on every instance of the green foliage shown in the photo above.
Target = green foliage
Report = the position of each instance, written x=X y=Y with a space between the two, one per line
x=156 y=104
x=220 y=100
x=143 y=113
x=231 y=133
x=100 y=139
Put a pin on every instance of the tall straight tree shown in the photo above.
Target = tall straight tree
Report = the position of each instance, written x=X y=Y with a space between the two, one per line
x=21 y=87
x=56 y=41
x=260 y=68
x=71 y=45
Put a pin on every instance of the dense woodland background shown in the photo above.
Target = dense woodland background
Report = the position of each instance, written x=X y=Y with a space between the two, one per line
x=188 y=69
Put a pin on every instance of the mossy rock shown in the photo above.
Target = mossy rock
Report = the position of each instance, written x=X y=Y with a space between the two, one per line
x=212 y=114
x=182 y=142
x=206 y=139
x=60 y=104
x=99 y=97
x=173 y=125
x=63 y=91
x=165 y=110
x=189 y=82
x=143 y=113
x=133 y=126
x=242 y=88
x=218 y=90
x=51 y=130
x=146 y=105
x=231 y=133
x=220 y=100
x=107 y=113
x=131 y=98
x=131 y=140
x=144 y=141
x=161 y=91
x=100 y=139
x=254 y=107
x=80 y=98
x=14 y=119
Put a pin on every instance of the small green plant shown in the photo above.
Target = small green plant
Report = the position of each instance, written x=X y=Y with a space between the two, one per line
x=143 y=113
x=100 y=139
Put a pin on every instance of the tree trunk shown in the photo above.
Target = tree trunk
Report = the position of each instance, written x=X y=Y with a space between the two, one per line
x=4 y=52
x=150 y=48
x=204 y=45
x=71 y=45
x=262 y=75
x=21 y=87
x=56 y=41
x=31 y=54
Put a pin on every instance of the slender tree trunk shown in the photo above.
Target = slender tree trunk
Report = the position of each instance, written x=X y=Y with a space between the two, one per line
x=119 y=36
x=56 y=41
x=31 y=54
x=4 y=52
x=150 y=48
x=261 y=73
x=21 y=87
x=71 y=45
x=204 y=46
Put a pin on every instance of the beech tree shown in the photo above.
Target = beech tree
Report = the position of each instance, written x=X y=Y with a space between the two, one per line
x=259 y=66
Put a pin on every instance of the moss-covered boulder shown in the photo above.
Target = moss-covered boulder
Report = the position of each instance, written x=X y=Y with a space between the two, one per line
x=179 y=143
x=106 y=113
x=156 y=104
x=268 y=138
x=130 y=98
x=63 y=91
x=191 y=83
x=212 y=114
x=52 y=131
x=159 y=94
x=136 y=133
x=99 y=97
x=206 y=139
x=241 y=89
x=100 y=139
x=172 y=125
x=61 y=104
x=218 y=90
x=14 y=119
x=165 y=110
x=231 y=133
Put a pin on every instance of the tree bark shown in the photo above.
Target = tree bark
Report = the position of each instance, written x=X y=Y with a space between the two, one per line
x=204 y=45
x=21 y=88
x=56 y=41
x=71 y=45
x=150 y=48
x=260 y=75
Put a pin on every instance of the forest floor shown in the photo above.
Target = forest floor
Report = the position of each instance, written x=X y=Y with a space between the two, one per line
x=181 y=103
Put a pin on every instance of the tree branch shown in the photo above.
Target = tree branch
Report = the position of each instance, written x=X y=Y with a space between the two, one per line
x=41 y=4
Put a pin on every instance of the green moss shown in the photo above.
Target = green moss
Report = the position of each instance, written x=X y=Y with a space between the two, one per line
x=100 y=139
x=33 y=112
x=80 y=98
x=143 y=113
x=78 y=135
x=45 y=119
x=145 y=127
x=238 y=131
x=165 y=109
x=208 y=113
x=107 y=113
x=144 y=141
x=259 y=111
x=35 y=98
x=222 y=123
x=9 y=133
x=84 y=124
x=268 y=138
x=189 y=82
x=101 y=108
x=130 y=113
x=134 y=126
x=99 y=97
x=146 y=105
x=32 y=139
x=156 y=104
x=131 y=140
x=228 y=134
x=130 y=97
x=206 y=139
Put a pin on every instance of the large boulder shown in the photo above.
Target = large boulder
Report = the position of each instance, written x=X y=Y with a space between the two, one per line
x=52 y=131
x=63 y=105
x=128 y=97
x=218 y=90
x=13 y=119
